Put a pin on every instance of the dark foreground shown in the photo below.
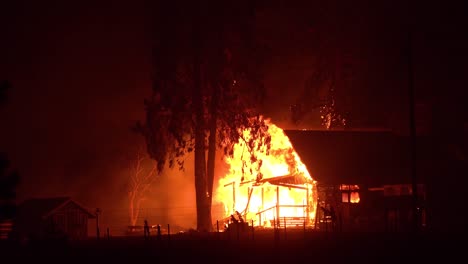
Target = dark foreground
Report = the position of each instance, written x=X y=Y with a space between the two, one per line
x=257 y=247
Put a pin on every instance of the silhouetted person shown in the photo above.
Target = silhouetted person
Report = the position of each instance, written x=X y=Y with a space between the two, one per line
x=234 y=219
x=326 y=212
x=159 y=232
x=329 y=215
x=146 y=230
x=239 y=216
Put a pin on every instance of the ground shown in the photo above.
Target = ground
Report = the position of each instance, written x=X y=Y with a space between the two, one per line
x=258 y=247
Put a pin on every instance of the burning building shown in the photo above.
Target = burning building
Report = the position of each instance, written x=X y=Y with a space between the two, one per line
x=365 y=175
x=361 y=179
x=271 y=187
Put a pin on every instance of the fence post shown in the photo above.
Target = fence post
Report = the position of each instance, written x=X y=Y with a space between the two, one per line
x=159 y=232
x=284 y=220
x=304 y=229
x=253 y=230
x=275 y=222
x=98 y=211
x=168 y=232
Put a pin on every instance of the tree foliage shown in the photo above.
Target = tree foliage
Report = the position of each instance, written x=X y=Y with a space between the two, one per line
x=207 y=86
x=230 y=68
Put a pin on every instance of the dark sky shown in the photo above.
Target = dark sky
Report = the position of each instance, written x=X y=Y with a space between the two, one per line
x=79 y=72
x=81 y=69
x=374 y=33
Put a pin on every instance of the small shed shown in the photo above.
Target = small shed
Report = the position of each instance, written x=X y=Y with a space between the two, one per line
x=42 y=218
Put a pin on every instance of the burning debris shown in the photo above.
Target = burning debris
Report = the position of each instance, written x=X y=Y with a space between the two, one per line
x=267 y=182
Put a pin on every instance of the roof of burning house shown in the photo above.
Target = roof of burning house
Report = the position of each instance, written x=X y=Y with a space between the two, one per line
x=290 y=180
x=353 y=157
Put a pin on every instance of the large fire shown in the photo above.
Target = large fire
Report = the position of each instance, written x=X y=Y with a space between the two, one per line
x=285 y=190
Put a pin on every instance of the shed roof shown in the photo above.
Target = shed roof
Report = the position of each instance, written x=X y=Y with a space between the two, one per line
x=37 y=208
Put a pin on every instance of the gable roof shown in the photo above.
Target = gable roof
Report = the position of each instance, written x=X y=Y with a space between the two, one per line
x=37 y=208
x=290 y=180
x=353 y=157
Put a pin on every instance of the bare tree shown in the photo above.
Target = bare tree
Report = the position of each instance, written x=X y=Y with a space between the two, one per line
x=141 y=179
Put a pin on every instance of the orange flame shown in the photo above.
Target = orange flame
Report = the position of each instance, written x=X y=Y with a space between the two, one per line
x=286 y=189
x=350 y=193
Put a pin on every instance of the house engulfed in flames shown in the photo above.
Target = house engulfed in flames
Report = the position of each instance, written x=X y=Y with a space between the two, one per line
x=364 y=176
x=285 y=194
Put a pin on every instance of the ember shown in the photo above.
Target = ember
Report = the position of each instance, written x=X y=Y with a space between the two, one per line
x=279 y=188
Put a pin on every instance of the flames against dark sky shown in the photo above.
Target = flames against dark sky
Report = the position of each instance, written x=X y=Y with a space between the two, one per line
x=80 y=71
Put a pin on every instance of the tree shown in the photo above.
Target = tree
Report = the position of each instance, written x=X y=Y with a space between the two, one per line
x=141 y=179
x=327 y=86
x=8 y=182
x=9 y=179
x=207 y=85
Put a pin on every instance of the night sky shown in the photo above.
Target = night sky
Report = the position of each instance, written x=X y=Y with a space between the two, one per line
x=79 y=74
x=80 y=71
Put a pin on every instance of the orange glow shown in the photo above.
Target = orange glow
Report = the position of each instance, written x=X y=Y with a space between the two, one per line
x=350 y=193
x=284 y=176
x=355 y=197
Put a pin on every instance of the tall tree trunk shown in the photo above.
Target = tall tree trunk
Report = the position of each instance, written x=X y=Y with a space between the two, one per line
x=216 y=85
x=212 y=143
x=201 y=190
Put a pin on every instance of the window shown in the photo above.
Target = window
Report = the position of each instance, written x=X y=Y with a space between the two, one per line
x=349 y=193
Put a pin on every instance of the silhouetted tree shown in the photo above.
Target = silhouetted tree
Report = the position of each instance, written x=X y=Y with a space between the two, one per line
x=8 y=182
x=207 y=84
x=8 y=179
x=334 y=68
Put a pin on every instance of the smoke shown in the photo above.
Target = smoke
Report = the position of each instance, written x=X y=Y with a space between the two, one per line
x=172 y=198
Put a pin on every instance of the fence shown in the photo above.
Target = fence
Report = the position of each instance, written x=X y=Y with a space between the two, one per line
x=117 y=220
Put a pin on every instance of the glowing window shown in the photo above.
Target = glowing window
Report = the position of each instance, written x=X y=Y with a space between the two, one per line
x=349 y=193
